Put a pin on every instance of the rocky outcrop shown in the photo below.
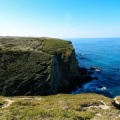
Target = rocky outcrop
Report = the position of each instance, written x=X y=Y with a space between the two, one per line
x=37 y=66
x=116 y=102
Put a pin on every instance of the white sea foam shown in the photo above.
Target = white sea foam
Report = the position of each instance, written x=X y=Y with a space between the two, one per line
x=103 y=88
x=89 y=87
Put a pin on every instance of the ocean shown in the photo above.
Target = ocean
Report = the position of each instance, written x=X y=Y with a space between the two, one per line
x=103 y=53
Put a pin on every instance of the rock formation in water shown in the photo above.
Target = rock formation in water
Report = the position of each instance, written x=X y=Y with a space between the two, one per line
x=37 y=66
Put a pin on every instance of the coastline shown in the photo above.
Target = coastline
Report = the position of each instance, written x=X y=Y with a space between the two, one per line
x=101 y=53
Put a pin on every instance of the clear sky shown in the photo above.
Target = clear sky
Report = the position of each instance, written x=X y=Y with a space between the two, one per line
x=60 y=18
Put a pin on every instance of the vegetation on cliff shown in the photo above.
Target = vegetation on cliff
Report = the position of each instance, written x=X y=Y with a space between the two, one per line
x=36 y=66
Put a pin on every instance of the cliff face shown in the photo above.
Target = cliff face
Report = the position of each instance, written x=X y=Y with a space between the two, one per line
x=63 y=72
x=36 y=66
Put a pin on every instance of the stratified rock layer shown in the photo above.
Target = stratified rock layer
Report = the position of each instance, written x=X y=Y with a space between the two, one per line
x=36 y=66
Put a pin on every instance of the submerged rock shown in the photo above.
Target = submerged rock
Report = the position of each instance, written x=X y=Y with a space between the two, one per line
x=37 y=66
x=97 y=69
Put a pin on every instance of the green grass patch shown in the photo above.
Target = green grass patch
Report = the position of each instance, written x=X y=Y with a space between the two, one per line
x=56 y=107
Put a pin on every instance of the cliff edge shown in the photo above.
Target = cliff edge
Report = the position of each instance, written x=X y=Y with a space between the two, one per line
x=36 y=66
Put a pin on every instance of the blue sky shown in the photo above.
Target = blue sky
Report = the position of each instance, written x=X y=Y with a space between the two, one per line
x=60 y=18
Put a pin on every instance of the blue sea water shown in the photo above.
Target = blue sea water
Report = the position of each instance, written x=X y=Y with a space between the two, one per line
x=105 y=54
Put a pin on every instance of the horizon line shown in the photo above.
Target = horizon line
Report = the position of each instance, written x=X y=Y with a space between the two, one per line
x=62 y=37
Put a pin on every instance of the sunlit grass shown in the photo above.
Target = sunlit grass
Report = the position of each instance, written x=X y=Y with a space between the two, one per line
x=56 y=107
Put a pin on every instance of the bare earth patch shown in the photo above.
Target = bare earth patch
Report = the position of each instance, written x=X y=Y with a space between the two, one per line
x=9 y=102
x=101 y=106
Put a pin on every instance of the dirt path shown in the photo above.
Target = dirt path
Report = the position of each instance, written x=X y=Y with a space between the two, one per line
x=9 y=102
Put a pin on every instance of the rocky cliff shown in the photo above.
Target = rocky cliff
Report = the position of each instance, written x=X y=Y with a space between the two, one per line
x=36 y=66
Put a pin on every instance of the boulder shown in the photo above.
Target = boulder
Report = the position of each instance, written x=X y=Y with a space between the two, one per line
x=97 y=69
x=117 y=102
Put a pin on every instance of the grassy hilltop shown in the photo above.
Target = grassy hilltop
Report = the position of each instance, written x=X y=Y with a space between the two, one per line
x=47 y=45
